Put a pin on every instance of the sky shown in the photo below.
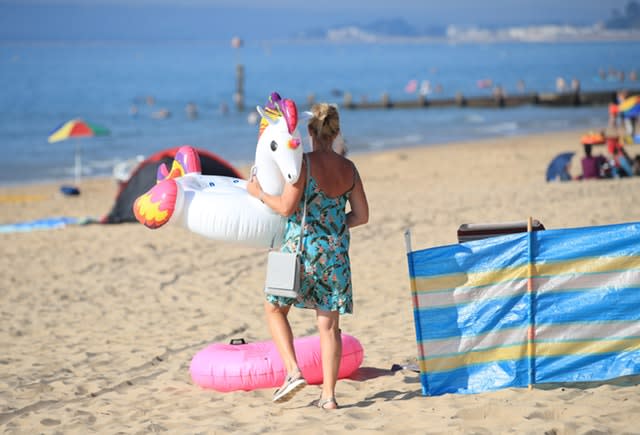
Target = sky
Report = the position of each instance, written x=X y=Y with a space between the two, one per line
x=271 y=19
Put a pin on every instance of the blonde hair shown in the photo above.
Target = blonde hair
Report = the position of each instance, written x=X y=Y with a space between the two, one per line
x=325 y=122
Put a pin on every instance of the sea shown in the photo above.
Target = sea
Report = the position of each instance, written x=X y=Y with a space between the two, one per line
x=157 y=95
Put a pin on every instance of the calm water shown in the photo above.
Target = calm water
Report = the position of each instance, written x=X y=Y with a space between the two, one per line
x=46 y=84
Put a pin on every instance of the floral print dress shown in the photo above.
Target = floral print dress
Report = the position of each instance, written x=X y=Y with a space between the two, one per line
x=325 y=282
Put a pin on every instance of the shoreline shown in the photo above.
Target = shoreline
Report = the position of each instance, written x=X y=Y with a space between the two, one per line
x=100 y=322
x=489 y=37
x=243 y=166
x=25 y=193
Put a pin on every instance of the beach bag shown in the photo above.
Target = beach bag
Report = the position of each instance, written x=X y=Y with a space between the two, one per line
x=283 y=268
x=283 y=274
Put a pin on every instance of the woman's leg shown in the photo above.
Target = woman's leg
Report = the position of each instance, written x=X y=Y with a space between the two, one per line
x=282 y=334
x=331 y=350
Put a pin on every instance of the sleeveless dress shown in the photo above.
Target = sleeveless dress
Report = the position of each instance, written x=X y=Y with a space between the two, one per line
x=325 y=282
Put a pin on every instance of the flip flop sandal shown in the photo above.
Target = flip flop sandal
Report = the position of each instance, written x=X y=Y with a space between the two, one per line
x=322 y=402
x=292 y=385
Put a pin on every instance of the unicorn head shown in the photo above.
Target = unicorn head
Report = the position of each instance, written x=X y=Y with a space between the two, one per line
x=279 y=150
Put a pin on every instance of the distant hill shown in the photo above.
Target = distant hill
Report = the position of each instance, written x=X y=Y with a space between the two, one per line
x=391 y=27
x=630 y=19
x=620 y=27
x=379 y=29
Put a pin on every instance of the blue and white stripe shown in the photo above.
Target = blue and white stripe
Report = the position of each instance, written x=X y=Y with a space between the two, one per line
x=474 y=313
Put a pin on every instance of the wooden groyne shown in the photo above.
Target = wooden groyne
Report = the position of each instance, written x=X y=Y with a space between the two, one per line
x=562 y=99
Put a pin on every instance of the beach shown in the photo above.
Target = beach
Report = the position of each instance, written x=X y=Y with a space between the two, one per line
x=99 y=322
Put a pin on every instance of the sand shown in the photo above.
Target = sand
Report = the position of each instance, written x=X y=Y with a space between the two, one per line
x=99 y=323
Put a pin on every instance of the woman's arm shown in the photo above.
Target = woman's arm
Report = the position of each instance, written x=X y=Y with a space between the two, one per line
x=284 y=204
x=359 y=214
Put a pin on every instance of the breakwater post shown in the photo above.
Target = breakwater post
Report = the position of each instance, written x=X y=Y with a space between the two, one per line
x=238 y=96
x=500 y=100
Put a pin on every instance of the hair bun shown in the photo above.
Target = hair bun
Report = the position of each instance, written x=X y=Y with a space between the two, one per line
x=325 y=121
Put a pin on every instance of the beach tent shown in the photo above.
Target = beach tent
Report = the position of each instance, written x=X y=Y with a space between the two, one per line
x=144 y=177
x=522 y=309
x=557 y=168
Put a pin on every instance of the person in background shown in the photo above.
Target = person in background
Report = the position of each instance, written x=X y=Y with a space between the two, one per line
x=621 y=162
x=575 y=90
x=628 y=122
x=224 y=109
x=191 y=110
x=161 y=114
x=636 y=165
x=614 y=114
x=325 y=284
x=592 y=167
x=575 y=85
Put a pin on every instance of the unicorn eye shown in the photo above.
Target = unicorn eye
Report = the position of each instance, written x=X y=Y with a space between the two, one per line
x=274 y=145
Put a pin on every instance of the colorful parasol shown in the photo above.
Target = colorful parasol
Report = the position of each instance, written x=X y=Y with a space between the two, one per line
x=630 y=106
x=76 y=128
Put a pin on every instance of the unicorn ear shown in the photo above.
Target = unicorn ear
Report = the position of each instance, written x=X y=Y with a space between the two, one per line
x=262 y=113
x=305 y=115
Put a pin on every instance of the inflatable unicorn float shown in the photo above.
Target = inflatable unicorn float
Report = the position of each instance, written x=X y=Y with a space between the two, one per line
x=220 y=207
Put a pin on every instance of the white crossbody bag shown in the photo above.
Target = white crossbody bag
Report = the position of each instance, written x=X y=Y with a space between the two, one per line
x=283 y=268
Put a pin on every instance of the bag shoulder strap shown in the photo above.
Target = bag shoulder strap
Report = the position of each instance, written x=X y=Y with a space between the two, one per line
x=304 y=201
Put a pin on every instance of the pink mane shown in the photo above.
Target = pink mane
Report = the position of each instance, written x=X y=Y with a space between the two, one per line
x=278 y=107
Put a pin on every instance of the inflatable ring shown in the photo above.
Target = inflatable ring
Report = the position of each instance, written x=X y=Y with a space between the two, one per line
x=249 y=366
x=593 y=139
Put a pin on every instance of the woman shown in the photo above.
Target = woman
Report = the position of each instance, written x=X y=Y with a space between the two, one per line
x=326 y=272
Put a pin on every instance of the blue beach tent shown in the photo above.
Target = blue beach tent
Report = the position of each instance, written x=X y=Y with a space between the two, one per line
x=557 y=169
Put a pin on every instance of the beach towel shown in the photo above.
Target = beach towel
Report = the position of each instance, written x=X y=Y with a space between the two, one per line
x=45 y=224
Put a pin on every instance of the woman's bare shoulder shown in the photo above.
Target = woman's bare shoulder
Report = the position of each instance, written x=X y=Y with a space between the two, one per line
x=333 y=172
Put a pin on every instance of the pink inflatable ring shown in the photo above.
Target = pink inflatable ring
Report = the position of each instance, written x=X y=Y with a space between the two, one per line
x=248 y=366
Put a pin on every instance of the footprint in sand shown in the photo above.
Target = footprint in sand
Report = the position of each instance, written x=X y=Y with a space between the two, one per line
x=49 y=422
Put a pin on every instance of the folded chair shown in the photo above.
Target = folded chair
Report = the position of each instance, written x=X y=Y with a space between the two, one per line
x=469 y=232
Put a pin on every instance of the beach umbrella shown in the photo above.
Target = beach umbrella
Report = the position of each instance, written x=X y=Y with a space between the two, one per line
x=76 y=128
x=630 y=106
x=558 y=167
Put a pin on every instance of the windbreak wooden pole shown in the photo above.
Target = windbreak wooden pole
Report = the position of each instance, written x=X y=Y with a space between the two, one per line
x=531 y=293
x=407 y=240
x=416 y=320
